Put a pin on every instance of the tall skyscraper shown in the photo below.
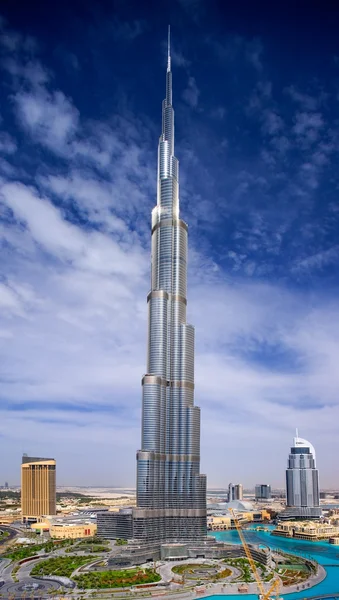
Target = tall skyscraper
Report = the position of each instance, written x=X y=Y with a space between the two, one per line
x=302 y=482
x=262 y=491
x=38 y=488
x=235 y=491
x=171 y=492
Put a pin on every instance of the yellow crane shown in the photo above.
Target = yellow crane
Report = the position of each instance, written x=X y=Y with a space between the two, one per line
x=276 y=583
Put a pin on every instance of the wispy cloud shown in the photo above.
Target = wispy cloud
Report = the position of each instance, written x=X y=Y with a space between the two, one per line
x=178 y=59
x=7 y=143
x=128 y=30
x=50 y=118
x=191 y=93
x=236 y=47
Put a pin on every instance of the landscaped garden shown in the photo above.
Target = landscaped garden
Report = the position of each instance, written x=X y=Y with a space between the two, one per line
x=88 y=548
x=120 y=542
x=293 y=571
x=190 y=568
x=93 y=540
x=3 y=534
x=202 y=571
x=244 y=567
x=116 y=579
x=94 y=544
x=291 y=574
x=63 y=566
x=21 y=552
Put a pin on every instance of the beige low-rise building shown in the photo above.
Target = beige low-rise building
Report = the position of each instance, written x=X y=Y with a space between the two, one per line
x=218 y=523
x=334 y=540
x=72 y=530
x=306 y=530
x=7 y=519
x=66 y=530
x=224 y=522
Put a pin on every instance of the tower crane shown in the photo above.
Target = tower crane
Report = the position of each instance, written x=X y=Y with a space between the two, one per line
x=264 y=595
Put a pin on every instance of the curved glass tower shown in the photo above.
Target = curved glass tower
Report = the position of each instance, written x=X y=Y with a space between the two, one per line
x=171 y=493
x=302 y=481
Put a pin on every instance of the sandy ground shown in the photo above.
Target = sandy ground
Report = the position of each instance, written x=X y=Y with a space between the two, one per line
x=99 y=492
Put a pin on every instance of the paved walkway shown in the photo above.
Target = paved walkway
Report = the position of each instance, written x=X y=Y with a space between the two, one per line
x=6 y=567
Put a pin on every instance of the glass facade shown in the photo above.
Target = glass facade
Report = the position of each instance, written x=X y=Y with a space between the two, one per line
x=262 y=491
x=38 y=487
x=302 y=479
x=171 y=492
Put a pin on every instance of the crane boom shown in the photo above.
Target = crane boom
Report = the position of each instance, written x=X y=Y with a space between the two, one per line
x=276 y=583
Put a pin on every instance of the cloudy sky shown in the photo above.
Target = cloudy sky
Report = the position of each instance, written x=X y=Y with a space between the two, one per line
x=257 y=135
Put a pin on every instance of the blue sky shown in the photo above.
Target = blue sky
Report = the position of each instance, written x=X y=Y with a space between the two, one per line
x=257 y=134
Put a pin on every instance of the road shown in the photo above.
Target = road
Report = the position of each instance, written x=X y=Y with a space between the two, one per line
x=11 y=534
x=5 y=564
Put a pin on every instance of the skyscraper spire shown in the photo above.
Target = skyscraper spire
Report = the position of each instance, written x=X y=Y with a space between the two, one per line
x=171 y=492
x=168 y=100
x=169 y=49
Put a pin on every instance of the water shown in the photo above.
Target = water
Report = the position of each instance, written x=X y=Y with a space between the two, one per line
x=323 y=552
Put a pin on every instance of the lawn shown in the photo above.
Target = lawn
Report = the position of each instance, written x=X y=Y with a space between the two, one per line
x=93 y=540
x=189 y=568
x=120 y=542
x=21 y=552
x=61 y=565
x=87 y=549
x=4 y=533
x=292 y=576
x=243 y=565
x=116 y=579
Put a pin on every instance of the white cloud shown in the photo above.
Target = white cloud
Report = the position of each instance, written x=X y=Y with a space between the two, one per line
x=92 y=251
x=306 y=101
x=128 y=30
x=7 y=143
x=50 y=118
x=178 y=59
x=308 y=127
x=191 y=93
x=9 y=302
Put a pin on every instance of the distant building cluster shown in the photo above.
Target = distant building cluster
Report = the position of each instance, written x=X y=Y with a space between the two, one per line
x=262 y=492
x=235 y=491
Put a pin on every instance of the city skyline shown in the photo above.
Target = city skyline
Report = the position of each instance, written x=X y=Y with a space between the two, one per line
x=257 y=140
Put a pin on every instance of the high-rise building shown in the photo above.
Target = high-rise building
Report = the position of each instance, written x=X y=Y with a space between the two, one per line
x=38 y=487
x=171 y=492
x=302 y=482
x=235 y=491
x=6 y=485
x=262 y=491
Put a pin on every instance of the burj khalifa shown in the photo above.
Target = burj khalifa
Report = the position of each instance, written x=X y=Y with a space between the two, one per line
x=171 y=492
